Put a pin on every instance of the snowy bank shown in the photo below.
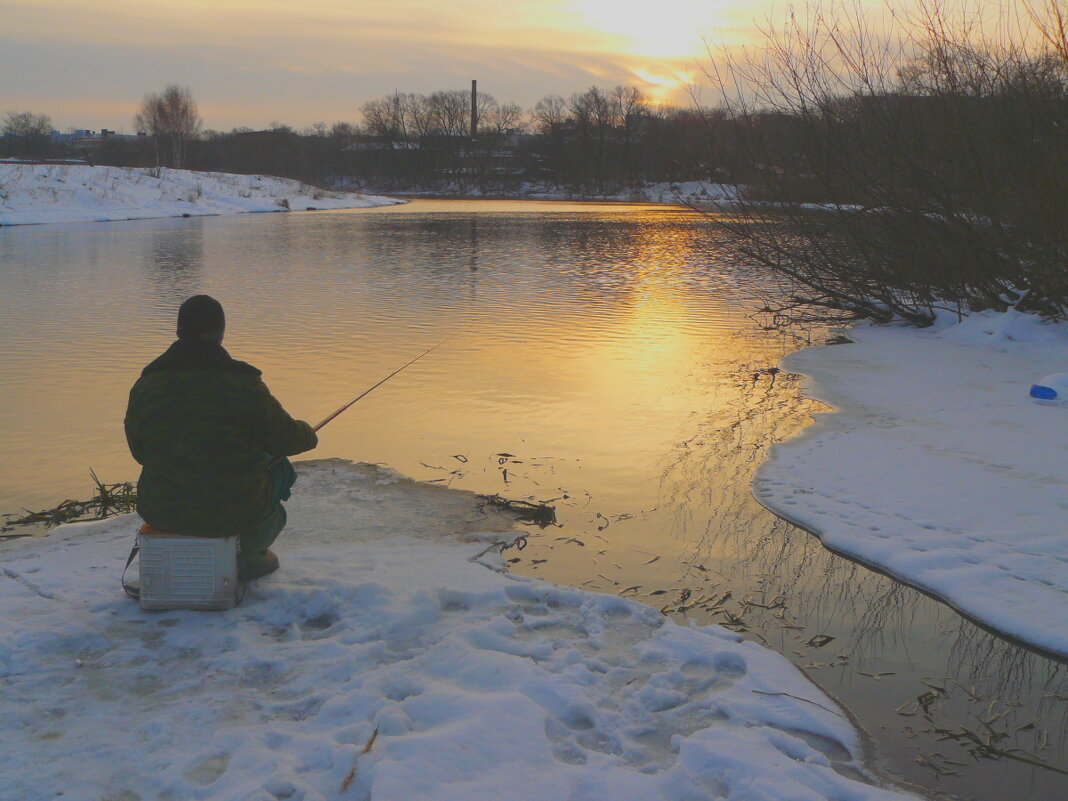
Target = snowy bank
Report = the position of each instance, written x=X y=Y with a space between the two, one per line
x=49 y=193
x=937 y=467
x=689 y=193
x=387 y=617
x=701 y=194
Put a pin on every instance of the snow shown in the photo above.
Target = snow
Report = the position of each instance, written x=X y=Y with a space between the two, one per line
x=391 y=613
x=48 y=193
x=693 y=193
x=938 y=468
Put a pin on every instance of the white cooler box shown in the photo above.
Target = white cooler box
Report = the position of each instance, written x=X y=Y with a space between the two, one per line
x=181 y=572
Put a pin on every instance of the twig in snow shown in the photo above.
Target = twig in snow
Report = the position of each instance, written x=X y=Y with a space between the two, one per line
x=345 y=785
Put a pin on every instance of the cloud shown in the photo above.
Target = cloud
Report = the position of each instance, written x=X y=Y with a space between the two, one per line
x=252 y=61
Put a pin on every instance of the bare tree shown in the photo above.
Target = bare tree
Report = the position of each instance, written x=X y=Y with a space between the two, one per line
x=629 y=101
x=594 y=116
x=450 y=113
x=171 y=119
x=935 y=147
x=631 y=107
x=398 y=117
x=501 y=118
x=549 y=112
x=343 y=130
x=420 y=115
x=1050 y=18
x=26 y=133
x=381 y=118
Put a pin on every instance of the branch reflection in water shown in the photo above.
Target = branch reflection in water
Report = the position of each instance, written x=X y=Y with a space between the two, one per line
x=954 y=705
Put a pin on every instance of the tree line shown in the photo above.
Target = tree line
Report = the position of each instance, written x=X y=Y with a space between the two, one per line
x=595 y=141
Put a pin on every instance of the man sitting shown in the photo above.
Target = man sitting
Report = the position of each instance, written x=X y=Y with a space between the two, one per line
x=211 y=440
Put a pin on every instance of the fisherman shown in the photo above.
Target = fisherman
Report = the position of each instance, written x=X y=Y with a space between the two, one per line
x=212 y=442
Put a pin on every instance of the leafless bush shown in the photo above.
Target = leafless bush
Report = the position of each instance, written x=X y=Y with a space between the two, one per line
x=936 y=144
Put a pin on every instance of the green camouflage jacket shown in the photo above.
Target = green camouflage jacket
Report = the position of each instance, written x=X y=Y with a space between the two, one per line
x=202 y=426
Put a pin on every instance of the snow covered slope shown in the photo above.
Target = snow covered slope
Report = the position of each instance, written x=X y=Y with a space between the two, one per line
x=938 y=468
x=696 y=193
x=47 y=193
x=385 y=617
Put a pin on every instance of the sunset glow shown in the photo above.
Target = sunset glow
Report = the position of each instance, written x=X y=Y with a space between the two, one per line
x=249 y=63
x=664 y=87
x=667 y=29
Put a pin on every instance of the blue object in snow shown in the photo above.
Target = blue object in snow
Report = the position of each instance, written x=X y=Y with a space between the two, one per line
x=1052 y=387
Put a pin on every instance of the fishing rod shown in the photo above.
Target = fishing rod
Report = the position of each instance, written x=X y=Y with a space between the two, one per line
x=364 y=394
x=367 y=392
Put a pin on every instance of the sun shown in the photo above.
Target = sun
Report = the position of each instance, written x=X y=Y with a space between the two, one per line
x=661 y=29
x=663 y=85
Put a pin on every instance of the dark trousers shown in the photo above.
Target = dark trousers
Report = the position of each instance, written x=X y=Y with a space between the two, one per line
x=283 y=476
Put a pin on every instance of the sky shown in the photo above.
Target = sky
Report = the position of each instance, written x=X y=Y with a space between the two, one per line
x=254 y=62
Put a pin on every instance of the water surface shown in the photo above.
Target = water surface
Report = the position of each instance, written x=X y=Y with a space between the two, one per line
x=600 y=357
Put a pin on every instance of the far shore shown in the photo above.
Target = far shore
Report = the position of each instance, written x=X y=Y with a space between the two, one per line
x=63 y=193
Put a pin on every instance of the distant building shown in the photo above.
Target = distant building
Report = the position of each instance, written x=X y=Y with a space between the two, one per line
x=87 y=139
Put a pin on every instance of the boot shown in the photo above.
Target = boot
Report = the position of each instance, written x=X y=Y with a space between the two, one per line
x=257 y=564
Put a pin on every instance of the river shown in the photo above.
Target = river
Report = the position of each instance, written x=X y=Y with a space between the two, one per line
x=602 y=358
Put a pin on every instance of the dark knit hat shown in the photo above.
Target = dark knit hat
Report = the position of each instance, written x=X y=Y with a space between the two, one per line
x=201 y=317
